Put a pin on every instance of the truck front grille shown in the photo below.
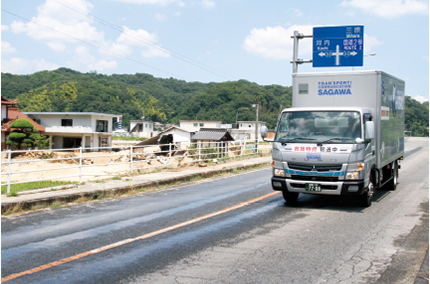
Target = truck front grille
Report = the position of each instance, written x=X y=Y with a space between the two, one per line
x=318 y=168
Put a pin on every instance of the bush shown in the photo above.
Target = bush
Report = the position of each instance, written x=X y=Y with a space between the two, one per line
x=24 y=135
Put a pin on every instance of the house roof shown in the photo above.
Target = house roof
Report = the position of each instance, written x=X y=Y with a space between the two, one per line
x=156 y=139
x=5 y=101
x=13 y=114
x=200 y=121
x=72 y=113
x=213 y=134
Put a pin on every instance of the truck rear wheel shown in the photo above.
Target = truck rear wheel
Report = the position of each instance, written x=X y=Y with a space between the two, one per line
x=392 y=184
x=290 y=197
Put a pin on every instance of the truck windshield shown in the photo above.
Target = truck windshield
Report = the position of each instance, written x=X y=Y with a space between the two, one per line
x=319 y=127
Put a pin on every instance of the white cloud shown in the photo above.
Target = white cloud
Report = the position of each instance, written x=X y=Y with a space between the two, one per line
x=23 y=66
x=369 y=42
x=4 y=28
x=7 y=48
x=83 y=56
x=66 y=25
x=421 y=99
x=56 y=24
x=207 y=4
x=276 y=42
x=143 y=39
x=156 y=51
x=389 y=8
x=154 y=2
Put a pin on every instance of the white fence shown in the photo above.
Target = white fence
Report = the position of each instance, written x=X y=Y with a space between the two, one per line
x=86 y=163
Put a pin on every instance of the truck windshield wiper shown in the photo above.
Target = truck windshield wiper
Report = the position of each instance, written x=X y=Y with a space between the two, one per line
x=331 y=139
x=295 y=139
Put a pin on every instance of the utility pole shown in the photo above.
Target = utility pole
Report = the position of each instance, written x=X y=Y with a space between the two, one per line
x=256 y=125
x=143 y=119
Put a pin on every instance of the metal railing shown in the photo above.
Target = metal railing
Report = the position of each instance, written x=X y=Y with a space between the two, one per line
x=25 y=166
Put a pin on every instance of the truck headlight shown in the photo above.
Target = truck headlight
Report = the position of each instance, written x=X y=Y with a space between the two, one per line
x=353 y=171
x=279 y=172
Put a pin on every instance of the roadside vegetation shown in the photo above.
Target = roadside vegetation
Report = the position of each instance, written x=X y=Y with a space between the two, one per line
x=14 y=188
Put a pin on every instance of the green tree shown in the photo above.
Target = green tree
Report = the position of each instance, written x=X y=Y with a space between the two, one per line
x=24 y=135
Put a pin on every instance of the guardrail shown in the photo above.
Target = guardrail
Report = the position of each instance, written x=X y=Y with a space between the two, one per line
x=76 y=163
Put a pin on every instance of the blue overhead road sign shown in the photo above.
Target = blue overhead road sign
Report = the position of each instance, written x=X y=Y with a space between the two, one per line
x=338 y=46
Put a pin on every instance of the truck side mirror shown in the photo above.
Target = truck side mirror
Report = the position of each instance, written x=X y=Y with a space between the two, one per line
x=370 y=130
x=264 y=131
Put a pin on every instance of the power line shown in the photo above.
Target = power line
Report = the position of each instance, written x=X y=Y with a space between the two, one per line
x=90 y=43
x=174 y=54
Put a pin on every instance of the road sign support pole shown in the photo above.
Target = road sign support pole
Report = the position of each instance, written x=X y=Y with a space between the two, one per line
x=296 y=61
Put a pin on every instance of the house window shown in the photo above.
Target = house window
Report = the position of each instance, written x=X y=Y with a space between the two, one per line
x=249 y=125
x=101 y=126
x=103 y=142
x=195 y=124
x=201 y=124
x=67 y=122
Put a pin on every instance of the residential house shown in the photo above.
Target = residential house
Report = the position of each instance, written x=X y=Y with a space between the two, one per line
x=76 y=129
x=139 y=128
x=195 y=125
x=246 y=130
x=10 y=113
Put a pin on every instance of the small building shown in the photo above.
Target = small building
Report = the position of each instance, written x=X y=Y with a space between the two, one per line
x=213 y=137
x=246 y=130
x=139 y=128
x=174 y=135
x=10 y=113
x=196 y=125
x=76 y=129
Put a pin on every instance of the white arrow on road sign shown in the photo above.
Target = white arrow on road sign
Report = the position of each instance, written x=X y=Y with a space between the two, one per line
x=337 y=54
x=322 y=54
x=353 y=53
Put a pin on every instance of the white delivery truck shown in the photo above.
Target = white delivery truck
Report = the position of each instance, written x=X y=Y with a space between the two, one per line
x=344 y=135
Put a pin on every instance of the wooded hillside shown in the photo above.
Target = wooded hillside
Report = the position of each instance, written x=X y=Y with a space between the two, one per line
x=164 y=100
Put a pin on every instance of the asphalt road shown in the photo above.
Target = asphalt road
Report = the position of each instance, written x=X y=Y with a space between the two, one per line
x=231 y=229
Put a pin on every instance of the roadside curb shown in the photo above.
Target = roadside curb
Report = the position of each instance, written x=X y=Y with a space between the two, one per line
x=67 y=196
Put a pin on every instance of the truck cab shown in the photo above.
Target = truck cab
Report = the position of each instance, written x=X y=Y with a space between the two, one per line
x=324 y=151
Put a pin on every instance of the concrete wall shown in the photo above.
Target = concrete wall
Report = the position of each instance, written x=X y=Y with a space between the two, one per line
x=194 y=126
x=81 y=123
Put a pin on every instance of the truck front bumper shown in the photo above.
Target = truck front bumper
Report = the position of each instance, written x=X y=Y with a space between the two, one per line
x=327 y=188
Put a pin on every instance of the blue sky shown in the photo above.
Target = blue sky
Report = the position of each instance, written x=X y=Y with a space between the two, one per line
x=209 y=40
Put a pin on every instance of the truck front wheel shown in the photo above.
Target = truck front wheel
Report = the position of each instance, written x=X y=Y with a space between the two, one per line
x=366 y=198
x=290 y=197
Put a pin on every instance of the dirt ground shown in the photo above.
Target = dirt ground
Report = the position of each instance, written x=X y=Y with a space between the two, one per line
x=96 y=165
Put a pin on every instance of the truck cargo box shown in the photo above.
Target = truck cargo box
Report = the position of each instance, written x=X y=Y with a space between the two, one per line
x=382 y=93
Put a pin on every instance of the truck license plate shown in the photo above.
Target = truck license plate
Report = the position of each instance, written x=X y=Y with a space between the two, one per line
x=313 y=187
